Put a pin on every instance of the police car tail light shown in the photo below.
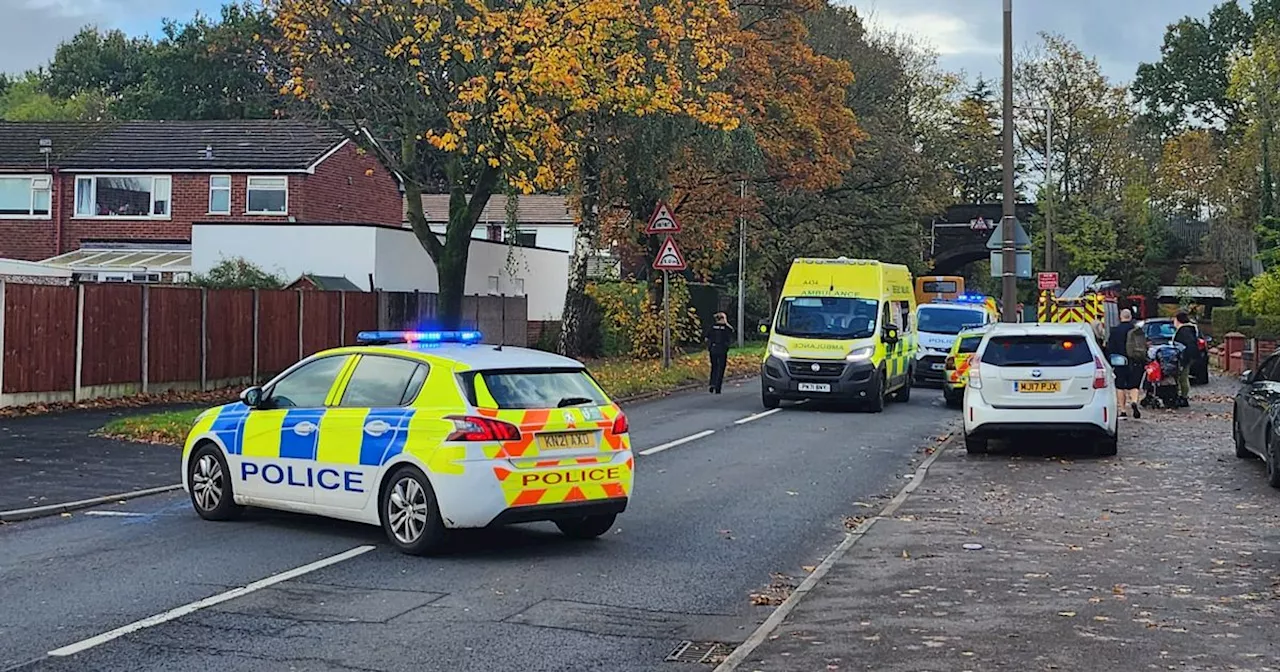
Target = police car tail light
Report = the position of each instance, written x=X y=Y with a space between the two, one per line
x=475 y=428
x=1099 y=374
x=620 y=424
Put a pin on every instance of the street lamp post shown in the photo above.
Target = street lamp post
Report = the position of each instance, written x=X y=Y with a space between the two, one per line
x=1009 y=281
x=742 y=263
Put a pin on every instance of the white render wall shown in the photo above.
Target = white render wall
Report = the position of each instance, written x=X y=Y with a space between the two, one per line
x=394 y=257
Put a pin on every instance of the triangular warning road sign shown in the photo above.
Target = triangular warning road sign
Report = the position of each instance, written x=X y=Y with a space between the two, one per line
x=663 y=220
x=669 y=257
x=1021 y=240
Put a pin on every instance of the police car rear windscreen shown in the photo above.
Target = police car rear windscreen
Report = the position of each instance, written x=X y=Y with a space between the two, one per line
x=540 y=389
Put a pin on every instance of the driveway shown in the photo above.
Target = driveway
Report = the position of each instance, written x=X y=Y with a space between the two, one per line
x=53 y=459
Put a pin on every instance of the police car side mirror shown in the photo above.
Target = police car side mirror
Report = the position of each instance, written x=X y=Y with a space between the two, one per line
x=252 y=397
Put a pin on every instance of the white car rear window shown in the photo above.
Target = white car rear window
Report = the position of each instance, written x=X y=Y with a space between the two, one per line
x=1037 y=351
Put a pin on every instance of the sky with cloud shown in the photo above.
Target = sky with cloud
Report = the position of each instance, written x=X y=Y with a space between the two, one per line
x=967 y=33
x=1120 y=33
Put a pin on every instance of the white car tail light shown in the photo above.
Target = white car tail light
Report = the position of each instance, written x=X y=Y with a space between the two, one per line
x=975 y=376
x=1099 y=374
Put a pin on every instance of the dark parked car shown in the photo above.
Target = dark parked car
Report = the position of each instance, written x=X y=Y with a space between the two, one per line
x=1255 y=421
x=1159 y=331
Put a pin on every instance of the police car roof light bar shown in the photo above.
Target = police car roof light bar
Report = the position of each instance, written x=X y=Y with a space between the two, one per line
x=429 y=337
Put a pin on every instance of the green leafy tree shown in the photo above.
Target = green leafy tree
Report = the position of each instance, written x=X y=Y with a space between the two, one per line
x=974 y=147
x=237 y=273
x=25 y=100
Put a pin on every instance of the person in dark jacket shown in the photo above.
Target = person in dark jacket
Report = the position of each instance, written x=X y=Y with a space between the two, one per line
x=1128 y=375
x=1186 y=335
x=718 y=340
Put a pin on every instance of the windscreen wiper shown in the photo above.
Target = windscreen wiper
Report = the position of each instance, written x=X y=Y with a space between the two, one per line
x=574 y=401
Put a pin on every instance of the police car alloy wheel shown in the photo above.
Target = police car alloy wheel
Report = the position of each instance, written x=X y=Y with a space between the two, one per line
x=410 y=514
x=211 y=493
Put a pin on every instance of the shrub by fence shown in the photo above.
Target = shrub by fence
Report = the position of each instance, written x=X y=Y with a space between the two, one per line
x=60 y=343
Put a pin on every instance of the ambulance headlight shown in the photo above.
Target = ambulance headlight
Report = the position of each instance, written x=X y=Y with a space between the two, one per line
x=861 y=354
x=779 y=351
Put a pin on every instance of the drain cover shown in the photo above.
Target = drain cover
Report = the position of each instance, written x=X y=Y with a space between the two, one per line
x=699 y=652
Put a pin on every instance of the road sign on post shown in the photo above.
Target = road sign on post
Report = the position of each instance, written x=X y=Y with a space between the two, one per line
x=1048 y=280
x=669 y=257
x=1021 y=240
x=1023 y=268
x=662 y=221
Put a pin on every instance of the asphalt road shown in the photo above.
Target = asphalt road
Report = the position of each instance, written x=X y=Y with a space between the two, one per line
x=711 y=521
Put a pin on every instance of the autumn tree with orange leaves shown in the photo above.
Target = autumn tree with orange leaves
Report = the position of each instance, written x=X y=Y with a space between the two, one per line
x=479 y=96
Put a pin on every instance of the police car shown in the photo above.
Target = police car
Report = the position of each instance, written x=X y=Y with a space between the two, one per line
x=419 y=432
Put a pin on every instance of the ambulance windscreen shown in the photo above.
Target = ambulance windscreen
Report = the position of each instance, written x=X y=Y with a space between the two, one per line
x=834 y=318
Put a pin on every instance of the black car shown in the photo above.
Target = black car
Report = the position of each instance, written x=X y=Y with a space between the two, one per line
x=1255 y=423
x=1160 y=330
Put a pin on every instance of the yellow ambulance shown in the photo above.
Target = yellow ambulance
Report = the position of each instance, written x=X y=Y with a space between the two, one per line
x=843 y=331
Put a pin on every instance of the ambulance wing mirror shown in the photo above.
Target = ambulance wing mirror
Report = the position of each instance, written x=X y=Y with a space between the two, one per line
x=764 y=328
x=891 y=335
x=252 y=397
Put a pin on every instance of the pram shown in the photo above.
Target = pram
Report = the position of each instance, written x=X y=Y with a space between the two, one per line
x=1160 y=376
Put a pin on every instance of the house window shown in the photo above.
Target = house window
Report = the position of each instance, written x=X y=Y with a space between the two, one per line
x=268 y=195
x=134 y=196
x=493 y=284
x=219 y=194
x=24 y=196
x=519 y=286
x=527 y=238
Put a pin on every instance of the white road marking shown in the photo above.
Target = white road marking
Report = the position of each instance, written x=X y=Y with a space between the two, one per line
x=678 y=442
x=193 y=607
x=117 y=514
x=757 y=416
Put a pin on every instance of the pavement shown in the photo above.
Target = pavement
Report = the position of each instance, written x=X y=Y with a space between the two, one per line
x=1164 y=558
x=731 y=503
x=54 y=458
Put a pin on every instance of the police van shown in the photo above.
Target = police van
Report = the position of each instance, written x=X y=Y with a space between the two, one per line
x=843 y=331
x=419 y=432
x=939 y=324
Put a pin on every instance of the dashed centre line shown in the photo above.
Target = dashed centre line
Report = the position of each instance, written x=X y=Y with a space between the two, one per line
x=678 y=442
x=757 y=416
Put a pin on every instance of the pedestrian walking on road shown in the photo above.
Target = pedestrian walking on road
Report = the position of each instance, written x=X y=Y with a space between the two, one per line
x=1185 y=334
x=718 y=340
x=1127 y=349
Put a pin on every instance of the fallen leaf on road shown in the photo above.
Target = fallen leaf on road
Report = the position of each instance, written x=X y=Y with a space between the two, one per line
x=793 y=494
x=1067 y=614
x=906 y=555
x=852 y=522
x=809 y=568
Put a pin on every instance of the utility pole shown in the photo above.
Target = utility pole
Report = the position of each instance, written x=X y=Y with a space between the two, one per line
x=1048 y=189
x=742 y=263
x=1010 y=280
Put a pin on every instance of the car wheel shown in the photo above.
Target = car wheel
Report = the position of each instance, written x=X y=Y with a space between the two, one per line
x=769 y=401
x=875 y=402
x=209 y=482
x=1242 y=450
x=1273 y=461
x=975 y=446
x=1109 y=446
x=410 y=512
x=587 y=527
x=903 y=395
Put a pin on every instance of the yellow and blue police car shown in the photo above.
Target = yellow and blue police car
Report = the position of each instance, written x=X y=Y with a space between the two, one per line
x=419 y=432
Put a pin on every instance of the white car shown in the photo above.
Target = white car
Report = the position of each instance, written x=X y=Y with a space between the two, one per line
x=1040 y=379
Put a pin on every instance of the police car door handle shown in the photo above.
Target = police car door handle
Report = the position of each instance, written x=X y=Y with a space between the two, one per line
x=376 y=428
x=305 y=428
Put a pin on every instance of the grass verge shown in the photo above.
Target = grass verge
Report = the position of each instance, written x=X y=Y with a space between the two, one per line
x=621 y=378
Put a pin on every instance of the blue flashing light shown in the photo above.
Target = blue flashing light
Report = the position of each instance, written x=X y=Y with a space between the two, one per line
x=971 y=298
x=420 y=337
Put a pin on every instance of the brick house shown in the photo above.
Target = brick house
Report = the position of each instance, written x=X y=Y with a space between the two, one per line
x=65 y=186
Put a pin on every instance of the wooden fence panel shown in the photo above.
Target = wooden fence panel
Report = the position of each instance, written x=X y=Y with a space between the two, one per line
x=229 y=327
x=277 y=331
x=112 y=344
x=173 y=337
x=361 y=314
x=39 y=339
x=321 y=321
